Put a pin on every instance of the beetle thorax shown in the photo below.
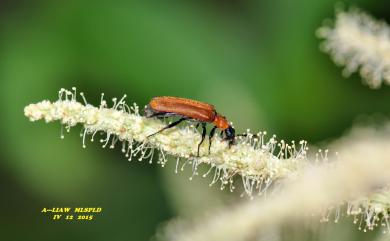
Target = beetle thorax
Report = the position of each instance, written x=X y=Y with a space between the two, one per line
x=220 y=122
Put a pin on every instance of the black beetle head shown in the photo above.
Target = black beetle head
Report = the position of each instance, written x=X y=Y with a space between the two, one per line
x=230 y=135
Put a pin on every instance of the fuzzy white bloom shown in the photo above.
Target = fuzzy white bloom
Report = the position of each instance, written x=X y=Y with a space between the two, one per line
x=358 y=41
x=258 y=161
x=359 y=172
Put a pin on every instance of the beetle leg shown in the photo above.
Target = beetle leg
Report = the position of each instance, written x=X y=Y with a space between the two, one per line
x=203 y=136
x=212 y=132
x=168 y=126
x=197 y=126
x=231 y=142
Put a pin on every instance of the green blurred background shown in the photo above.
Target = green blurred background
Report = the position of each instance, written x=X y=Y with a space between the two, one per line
x=258 y=62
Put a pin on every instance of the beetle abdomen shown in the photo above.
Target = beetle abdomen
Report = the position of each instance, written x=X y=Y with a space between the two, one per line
x=173 y=101
x=184 y=107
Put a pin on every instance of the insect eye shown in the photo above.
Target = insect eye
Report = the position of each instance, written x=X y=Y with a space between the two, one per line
x=230 y=132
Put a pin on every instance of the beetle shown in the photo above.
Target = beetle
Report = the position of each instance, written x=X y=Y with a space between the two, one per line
x=190 y=110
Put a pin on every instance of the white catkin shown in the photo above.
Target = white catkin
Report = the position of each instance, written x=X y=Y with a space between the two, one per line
x=359 y=42
x=360 y=171
x=259 y=161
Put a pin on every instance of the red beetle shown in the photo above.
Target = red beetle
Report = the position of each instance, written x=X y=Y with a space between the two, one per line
x=191 y=110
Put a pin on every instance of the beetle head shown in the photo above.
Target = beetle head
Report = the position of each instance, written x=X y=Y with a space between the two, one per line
x=230 y=135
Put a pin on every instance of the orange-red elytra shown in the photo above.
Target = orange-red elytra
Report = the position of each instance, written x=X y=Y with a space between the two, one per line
x=192 y=110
